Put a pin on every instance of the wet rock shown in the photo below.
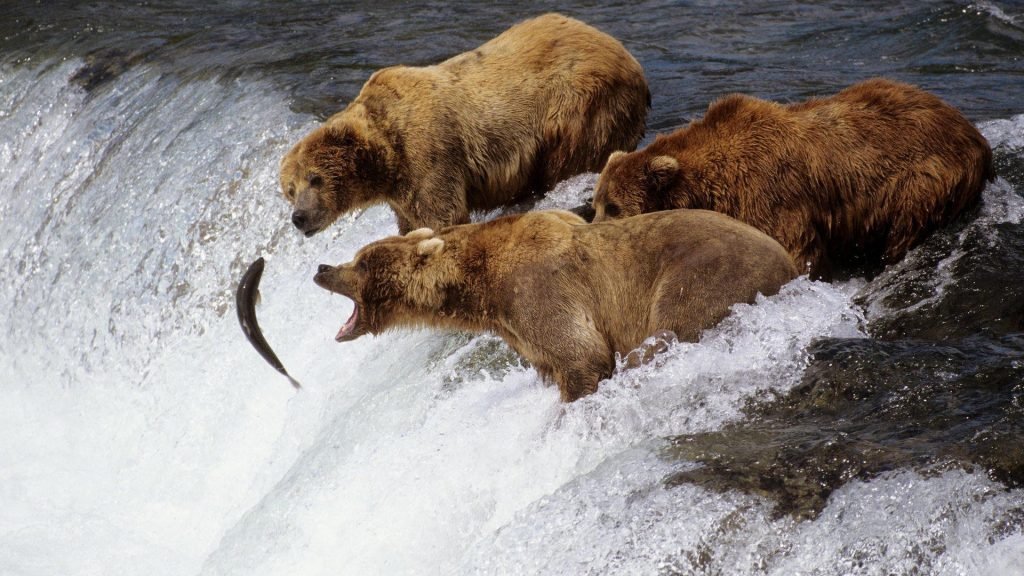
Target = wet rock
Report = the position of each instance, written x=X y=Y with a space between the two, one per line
x=966 y=279
x=865 y=407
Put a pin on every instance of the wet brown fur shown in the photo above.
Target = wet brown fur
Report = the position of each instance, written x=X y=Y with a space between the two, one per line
x=859 y=177
x=565 y=295
x=547 y=99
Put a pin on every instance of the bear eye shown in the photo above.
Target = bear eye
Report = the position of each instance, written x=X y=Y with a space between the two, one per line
x=290 y=192
x=361 y=265
x=315 y=180
x=612 y=210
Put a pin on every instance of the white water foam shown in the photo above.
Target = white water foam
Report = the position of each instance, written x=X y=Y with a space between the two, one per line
x=433 y=468
x=620 y=519
x=1006 y=132
x=994 y=10
x=141 y=434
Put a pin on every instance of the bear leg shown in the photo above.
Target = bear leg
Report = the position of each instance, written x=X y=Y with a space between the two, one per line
x=582 y=368
x=575 y=382
x=659 y=342
x=436 y=205
x=813 y=260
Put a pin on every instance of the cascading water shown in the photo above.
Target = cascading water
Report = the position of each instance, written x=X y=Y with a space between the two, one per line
x=140 y=434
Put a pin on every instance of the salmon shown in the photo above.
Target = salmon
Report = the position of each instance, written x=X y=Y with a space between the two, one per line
x=245 y=302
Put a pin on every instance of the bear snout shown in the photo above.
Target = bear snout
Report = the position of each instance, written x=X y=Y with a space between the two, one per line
x=323 y=276
x=303 y=220
x=337 y=279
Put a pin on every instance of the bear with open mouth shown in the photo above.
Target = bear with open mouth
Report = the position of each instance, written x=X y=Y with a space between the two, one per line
x=567 y=296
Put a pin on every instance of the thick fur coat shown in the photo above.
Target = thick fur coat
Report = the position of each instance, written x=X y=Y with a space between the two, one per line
x=547 y=99
x=566 y=295
x=855 y=179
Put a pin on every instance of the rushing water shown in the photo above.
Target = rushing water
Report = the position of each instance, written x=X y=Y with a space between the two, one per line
x=857 y=428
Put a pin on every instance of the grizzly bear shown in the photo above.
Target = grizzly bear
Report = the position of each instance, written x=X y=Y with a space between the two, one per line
x=854 y=180
x=566 y=295
x=547 y=99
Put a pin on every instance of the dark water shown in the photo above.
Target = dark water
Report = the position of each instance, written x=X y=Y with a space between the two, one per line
x=937 y=384
x=321 y=52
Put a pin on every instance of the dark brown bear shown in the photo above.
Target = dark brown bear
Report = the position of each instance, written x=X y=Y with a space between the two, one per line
x=856 y=179
x=547 y=99
x=565 y=295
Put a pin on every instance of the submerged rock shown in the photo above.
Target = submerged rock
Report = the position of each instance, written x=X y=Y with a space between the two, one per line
x=102 y=66
x=865 y=407
x=940 y=384
x=966 y=279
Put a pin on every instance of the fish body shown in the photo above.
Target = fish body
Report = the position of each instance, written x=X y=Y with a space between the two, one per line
x=246 y=297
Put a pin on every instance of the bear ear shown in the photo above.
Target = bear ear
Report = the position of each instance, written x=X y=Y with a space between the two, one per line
x=430 y=246
x=420 y=234
x=661 y=170
x=614 y=156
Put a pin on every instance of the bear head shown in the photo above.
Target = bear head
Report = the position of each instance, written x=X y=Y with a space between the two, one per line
x=633 y=183
x=397 y=281
x=336 y=168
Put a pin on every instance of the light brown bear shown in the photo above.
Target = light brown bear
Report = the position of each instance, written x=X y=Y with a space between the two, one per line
x=856 y=179
x=566 y=295
x=549 y=98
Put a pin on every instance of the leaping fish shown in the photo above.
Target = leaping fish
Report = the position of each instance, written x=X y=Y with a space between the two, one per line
x=245 y=303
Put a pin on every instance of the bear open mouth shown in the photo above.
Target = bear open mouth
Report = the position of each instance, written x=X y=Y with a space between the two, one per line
x=351 y=329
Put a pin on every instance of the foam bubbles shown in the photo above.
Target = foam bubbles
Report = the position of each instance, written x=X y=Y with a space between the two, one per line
x=1008 y=132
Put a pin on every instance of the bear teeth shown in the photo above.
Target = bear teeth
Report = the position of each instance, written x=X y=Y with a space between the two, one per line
x=350 y=325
